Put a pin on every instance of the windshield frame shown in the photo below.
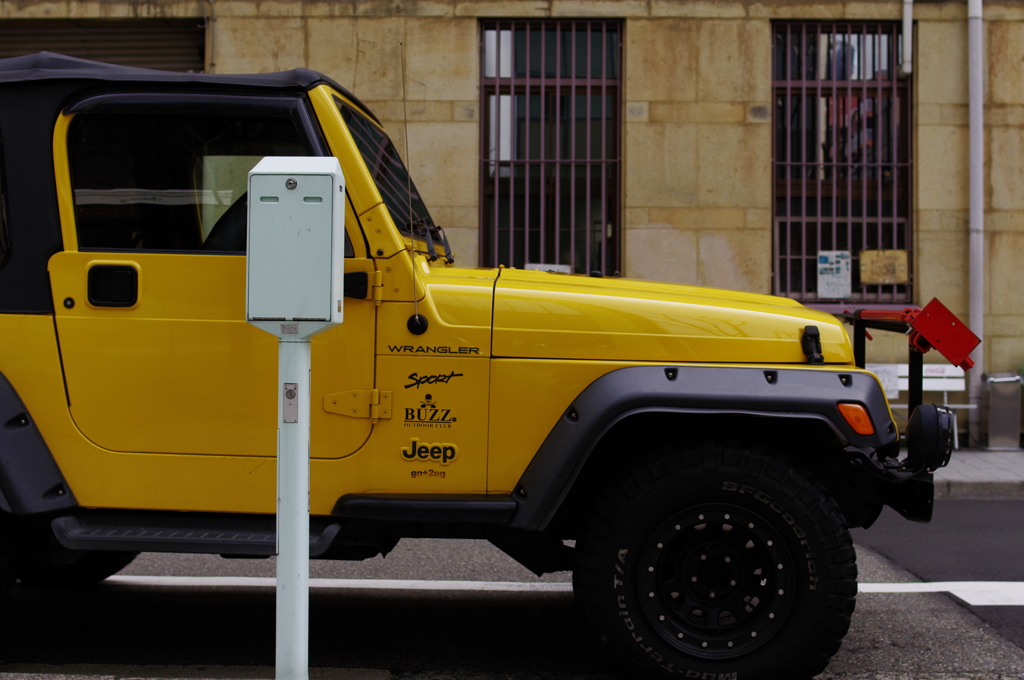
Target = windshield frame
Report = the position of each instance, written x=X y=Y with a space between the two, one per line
x=387 y=171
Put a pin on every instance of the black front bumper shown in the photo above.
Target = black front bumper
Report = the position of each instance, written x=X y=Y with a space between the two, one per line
x=907 y=485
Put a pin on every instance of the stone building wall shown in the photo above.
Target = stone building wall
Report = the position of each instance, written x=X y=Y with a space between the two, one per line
x=1004 y=191
x=697 y=112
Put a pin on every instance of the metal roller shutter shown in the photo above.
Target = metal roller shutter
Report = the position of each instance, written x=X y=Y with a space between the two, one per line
x=166 y=44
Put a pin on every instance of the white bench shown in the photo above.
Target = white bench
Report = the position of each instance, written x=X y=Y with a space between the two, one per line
x=936 y=378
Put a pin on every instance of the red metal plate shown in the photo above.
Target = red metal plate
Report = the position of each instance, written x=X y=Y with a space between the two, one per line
x=946 y=333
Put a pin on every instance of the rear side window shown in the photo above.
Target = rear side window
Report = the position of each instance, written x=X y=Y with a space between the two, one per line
x=169 y=183
x=4 y=244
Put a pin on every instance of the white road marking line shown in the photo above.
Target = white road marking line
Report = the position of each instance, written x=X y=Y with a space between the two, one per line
x=353 y=584
x=974 y=593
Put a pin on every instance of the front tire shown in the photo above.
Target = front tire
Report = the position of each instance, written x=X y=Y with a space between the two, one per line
x=717 y=562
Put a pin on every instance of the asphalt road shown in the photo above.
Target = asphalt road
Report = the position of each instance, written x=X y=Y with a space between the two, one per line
x=967 y=540
x=132 y=629
x=455 y=634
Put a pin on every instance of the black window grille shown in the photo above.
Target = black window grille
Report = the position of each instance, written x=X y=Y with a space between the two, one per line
x=842 y=156
x=550 y=143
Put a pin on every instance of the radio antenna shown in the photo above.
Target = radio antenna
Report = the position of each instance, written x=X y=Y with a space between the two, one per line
x=417 y=324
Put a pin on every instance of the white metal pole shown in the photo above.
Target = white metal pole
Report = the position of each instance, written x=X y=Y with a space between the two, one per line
x=976 y=135
x=293 y=511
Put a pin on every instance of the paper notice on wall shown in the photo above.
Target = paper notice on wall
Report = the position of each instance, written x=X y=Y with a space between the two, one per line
x=888 y=375
x=834 y=274
x=883 y=267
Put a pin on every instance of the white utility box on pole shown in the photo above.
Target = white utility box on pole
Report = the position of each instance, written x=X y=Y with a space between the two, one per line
x=295 y=272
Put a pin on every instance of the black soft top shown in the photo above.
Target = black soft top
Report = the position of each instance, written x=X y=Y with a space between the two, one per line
x=34 y=89
x=48 y=66
x=51 y=66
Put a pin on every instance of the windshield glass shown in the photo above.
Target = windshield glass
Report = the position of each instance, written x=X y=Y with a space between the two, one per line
x=388 y=172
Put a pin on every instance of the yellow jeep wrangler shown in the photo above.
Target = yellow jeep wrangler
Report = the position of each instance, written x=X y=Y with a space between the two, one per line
x=696 y=457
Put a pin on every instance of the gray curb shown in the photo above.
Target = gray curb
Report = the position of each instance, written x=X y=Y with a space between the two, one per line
x=989 y=490
x=980 y=473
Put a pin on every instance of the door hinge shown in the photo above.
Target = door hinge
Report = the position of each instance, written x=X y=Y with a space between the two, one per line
x=373 y=404
x=377 y=287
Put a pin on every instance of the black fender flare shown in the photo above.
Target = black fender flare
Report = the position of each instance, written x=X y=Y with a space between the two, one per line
x=30 y=479
x=800 y=393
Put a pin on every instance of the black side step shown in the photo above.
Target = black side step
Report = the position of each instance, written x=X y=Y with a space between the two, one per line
x=428 y=508
x=253 y=535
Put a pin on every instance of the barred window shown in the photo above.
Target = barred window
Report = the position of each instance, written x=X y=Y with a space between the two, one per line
x=842 y=161
x=550 y=139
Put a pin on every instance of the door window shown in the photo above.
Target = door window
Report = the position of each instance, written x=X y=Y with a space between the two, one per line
x=169 y=183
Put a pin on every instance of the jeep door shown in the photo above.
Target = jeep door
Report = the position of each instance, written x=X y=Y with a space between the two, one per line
x=149 y=291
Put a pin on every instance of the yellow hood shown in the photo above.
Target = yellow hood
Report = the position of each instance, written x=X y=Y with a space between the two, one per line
x=555 y=316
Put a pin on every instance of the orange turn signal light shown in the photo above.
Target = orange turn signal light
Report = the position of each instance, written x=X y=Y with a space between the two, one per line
x=858 y=418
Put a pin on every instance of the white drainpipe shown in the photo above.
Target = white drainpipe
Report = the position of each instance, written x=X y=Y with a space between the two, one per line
x=907 y=66
x=975 y=52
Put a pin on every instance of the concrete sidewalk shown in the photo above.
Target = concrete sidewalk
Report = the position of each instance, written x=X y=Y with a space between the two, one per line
x=975 y=473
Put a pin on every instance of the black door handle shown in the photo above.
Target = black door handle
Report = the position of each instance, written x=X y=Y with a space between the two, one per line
x=113 y=285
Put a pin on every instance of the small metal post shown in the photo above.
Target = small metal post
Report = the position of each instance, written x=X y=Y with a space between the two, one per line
x=859 y=349
x=915 y=381
x=293 y=511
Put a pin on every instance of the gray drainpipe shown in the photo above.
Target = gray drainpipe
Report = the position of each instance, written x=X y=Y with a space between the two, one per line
x=975 y=52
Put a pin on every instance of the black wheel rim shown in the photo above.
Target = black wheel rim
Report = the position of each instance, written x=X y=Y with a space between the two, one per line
x=716 y=581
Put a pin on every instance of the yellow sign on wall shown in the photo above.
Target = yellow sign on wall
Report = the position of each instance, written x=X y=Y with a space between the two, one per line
x=883 y=267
